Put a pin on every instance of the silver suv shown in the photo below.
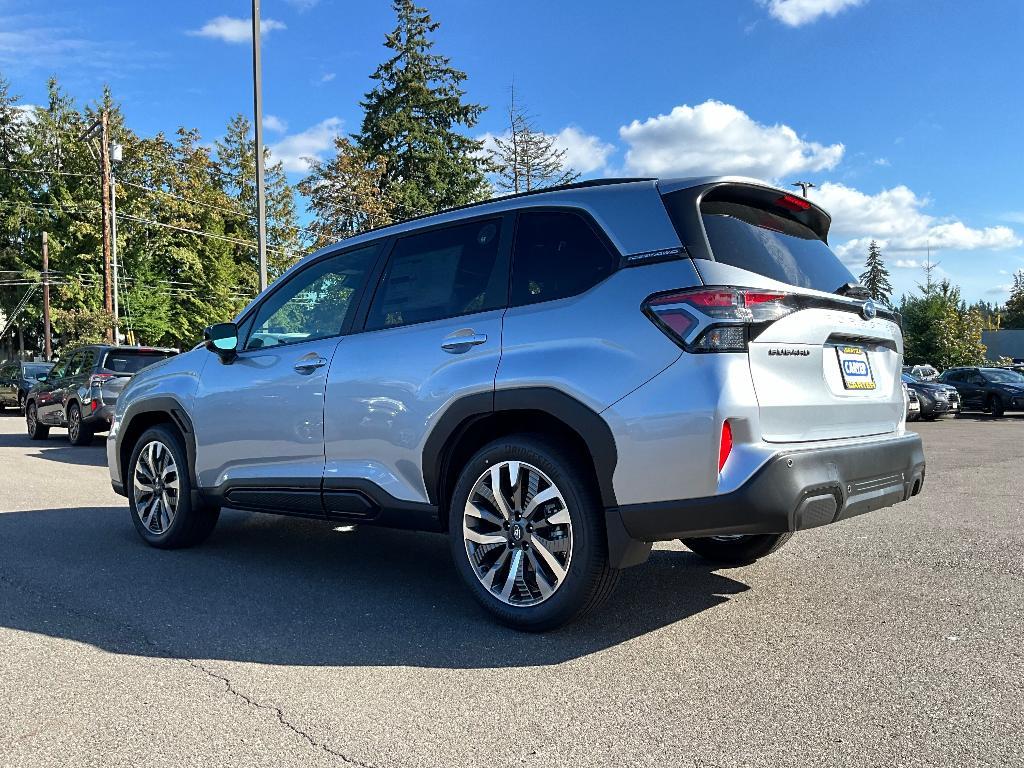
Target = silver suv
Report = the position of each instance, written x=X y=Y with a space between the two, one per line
x=556 y=380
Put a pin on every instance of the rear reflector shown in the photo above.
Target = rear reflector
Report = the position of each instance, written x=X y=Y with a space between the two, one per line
x=725 y=447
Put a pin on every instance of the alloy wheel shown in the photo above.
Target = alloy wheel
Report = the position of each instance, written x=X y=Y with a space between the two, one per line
x=30 y=420
x=155 y=487
x=74 y=424
x=518 y=533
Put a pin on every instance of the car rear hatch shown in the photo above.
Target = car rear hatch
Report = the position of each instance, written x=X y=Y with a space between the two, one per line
x=118 y=366
x=824 y=366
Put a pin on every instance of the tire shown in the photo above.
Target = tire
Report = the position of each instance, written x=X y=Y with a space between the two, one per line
x=21 y=404
x=995 y=406
x=737 y=550
x=166 y=518
x=78 y=433
x=36 y=431
x=572 y=576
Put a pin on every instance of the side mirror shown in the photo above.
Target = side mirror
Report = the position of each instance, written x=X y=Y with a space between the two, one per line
x=222 y=338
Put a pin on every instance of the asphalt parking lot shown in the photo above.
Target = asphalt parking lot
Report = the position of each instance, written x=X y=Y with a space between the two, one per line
x=893 y=639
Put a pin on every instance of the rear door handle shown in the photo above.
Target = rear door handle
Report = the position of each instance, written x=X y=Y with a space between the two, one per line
x=460 y=341
x=310 y=363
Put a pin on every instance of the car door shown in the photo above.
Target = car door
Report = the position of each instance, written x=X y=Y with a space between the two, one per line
x=259 y=418
x=431 y=336
x=8 y=384
x=50 y=401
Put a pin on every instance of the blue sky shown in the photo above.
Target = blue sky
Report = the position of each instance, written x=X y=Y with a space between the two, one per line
x=906 y=113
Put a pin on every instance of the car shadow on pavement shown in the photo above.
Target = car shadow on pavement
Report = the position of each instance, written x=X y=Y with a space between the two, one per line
x=285 y=591
x=57 y=448
x=980 y=416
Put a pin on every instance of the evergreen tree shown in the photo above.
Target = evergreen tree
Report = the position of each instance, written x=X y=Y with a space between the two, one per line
x=526 y=158
x=939 y=329
x=236 y=167
x=345 y=194
x=875 y=276
x=1013 y=316
x=411 y=120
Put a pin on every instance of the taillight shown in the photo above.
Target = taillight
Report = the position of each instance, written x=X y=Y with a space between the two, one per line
x=722 y=315
x=97 y=379
x=724 y=447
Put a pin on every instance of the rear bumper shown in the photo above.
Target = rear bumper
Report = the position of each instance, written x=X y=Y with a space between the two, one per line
x=792 y=491
x=98 y=420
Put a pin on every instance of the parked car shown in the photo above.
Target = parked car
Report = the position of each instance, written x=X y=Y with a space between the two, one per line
x=80 y=391
x=922 y=372
x=936 y=399
x=16 y=379
x=995 y=390
x=555 y=379
x=913 y=404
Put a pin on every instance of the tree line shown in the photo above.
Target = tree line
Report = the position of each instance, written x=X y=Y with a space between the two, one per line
x=939 y=327
x=186 y=209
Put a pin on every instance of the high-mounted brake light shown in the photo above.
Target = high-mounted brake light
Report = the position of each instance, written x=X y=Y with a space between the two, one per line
x=717 y=318
x=792 y=203
x=725 y=446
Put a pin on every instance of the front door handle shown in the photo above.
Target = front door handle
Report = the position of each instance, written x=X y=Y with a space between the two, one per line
x=462 y=340
x=310 y=363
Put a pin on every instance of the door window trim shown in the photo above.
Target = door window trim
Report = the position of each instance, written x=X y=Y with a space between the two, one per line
x=245 y=322
x=502 y=266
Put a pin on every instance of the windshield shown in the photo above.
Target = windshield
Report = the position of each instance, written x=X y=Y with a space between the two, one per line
x=35 y=371
x=1003 y=377
x=910 y=379
x=779 y=248
x=131 y=361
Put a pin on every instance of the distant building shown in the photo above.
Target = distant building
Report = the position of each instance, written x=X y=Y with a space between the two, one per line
x=1004 y=343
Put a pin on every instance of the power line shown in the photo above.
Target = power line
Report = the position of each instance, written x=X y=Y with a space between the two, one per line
x=200 y=233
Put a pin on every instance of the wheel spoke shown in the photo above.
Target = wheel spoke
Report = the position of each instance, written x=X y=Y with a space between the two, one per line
x=475 y=510
x=482 y=538
x=499 y=496
x=550 y=560
x=545 y=587
x=513 y=571
x=547 y=494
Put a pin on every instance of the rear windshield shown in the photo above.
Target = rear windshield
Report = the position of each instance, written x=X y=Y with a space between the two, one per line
x=131 y=361
x=763 y=242
x=35 y=371
x=1003 y=377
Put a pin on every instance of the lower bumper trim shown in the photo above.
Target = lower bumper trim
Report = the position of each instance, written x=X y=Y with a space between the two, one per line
x=793 y=491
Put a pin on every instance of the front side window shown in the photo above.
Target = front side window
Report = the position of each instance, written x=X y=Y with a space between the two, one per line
x=314 y=303
x=556 y=254
x=75 y=364
x=441 y=273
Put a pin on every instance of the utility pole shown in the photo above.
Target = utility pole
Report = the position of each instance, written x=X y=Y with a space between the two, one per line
x=115 y=157
x=257 y=105
x=47 y=345
x=105 y=202
x=105 y=192
x=804 y=186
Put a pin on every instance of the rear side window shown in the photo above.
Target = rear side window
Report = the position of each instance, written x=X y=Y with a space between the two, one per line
x=132 y=361
x=441 y=273
x=557 y=254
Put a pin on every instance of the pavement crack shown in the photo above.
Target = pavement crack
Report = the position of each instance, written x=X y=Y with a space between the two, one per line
x=278 y=713
x=139 y=636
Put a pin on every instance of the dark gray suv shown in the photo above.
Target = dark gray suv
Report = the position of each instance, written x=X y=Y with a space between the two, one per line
x=80 y=391
x=16 y=379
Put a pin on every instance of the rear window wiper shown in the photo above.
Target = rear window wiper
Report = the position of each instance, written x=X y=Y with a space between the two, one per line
x=853 y=290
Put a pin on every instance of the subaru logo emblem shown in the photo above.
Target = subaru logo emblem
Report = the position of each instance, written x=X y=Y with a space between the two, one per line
x=869 y=310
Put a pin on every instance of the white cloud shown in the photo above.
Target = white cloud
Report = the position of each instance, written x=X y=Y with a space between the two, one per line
x=908 y=263
x=997 y=290
x=295 y=149
x=327 y=77
x=716 y=138
x=275 y=123
x=583 y=152
x=882 y=161
x=303 y=5
x=234 y=30
x=795 y=13
x=896 y=219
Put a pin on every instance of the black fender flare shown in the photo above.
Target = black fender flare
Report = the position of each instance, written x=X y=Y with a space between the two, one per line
x=564 y=407
x=177 y=414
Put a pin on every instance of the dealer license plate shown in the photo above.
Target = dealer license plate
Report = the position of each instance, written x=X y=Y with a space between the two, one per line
x=853 y=362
